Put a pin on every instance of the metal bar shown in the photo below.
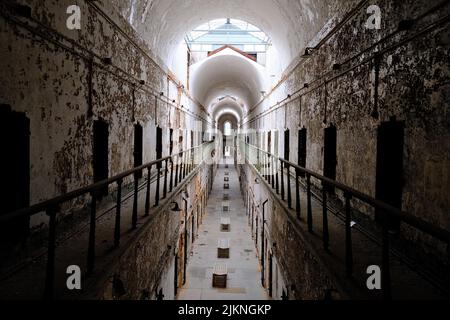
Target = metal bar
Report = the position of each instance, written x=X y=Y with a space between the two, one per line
x=325 y=233
x=158 y=178
x=118 y=209
x=277 y=178
x=147 y=192
x=289 y=192
x=309 y=205
x=50 y=270
x=135 y=202
x=282 y=180
x=166 y=169
x=176 y=170
x=297 y=195
x=91 y=247
x=348 y=236
x=171 y=175
x=273 y=171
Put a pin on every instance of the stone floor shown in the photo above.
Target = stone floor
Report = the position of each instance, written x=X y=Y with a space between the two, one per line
x=244 y=273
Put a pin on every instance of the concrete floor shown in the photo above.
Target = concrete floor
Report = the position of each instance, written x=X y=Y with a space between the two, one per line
x=244 y=272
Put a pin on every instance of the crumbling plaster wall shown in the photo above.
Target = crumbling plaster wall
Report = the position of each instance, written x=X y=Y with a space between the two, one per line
x=413 y=87
x=46 y=71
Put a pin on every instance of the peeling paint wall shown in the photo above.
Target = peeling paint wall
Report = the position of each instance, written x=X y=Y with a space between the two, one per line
x=413 y=87
x=58 y=78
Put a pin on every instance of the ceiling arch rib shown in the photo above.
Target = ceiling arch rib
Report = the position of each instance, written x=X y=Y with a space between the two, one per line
x=228 y=74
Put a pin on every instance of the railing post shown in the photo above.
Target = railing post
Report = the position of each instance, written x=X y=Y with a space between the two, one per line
x=325 y=218
x=348 y=235
x=309 y=205
x=50 y=271
x=297 y=195
x=289 y=192
x=385 y=271
x=171 y=175
x=91 y=247
x=176 y=170
x=135 y=202
x=147 y=192
x=185 y=160
x=181 y=167
x=273 y=171
x=118 y=209
x=282 y=179
x=277 y=186
x=166 y=169
x=158 y=179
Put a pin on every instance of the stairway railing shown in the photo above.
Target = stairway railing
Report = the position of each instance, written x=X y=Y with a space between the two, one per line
x=181 y=165
x=267 y=165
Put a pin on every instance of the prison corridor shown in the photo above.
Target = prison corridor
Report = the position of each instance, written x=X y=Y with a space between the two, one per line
x=242 y=267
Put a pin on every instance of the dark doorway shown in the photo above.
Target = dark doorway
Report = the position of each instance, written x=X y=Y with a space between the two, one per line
x=15 y=171
x=389 y=179
x=138 y=148
x=269 y=142
x=286 y=144
x=101 y=163
x=330 y=156
x=302 y=149
x=192 y=139
x=158 y=145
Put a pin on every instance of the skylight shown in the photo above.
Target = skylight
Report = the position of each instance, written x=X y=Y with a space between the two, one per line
x=217 y=33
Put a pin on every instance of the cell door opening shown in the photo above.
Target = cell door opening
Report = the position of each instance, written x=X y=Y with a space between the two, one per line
x=269 y=142
x=389 y=176
x=15 y=172
x=302 y=149
x=138 y=148
x=286 y=144
x=330 y=156
x=101 y=162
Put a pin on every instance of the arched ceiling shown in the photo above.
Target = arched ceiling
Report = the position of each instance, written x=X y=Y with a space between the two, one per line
x=227 y=74
x=227 y=106
x=164 y=23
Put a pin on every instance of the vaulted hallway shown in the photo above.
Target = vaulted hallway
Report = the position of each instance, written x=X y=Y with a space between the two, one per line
x=243 y=267
x=226 y=150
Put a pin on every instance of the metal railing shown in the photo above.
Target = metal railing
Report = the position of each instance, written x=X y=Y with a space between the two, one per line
x=170 y=172
x=270 y=166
